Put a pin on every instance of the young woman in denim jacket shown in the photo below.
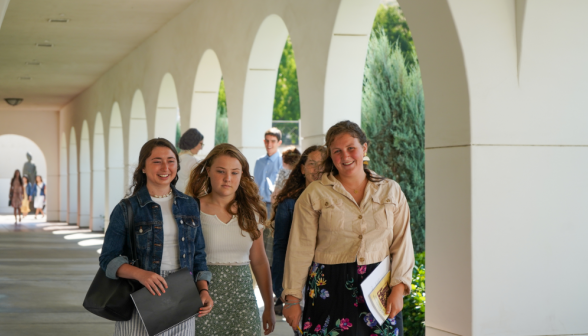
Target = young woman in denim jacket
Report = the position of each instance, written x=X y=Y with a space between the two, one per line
x=304 y=173
x=168 y=235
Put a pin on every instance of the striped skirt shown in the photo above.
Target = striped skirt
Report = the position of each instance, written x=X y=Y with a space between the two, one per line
x=135 y=327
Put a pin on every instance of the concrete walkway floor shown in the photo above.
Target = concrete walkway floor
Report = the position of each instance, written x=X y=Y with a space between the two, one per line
x=45 y=271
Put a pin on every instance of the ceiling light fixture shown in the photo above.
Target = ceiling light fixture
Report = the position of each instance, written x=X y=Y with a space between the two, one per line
x=45 y=45
x=58 y=20
x=24 y=78
x=13 y=101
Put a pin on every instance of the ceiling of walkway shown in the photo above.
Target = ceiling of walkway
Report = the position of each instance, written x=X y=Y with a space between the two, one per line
x=99 y=34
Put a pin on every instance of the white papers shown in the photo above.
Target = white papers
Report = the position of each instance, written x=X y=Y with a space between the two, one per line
x=270 y=184
x=376 y=288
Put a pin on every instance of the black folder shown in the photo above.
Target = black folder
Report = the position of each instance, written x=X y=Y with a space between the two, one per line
x=180 y=302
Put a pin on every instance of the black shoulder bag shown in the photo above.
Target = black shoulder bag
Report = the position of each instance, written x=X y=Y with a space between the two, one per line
x=111 y=299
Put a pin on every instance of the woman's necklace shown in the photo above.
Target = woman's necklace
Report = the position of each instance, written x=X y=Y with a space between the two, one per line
x=162 y=196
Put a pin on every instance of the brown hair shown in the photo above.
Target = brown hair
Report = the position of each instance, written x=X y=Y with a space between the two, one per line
x=355 y=131
x=247 y=196
x=291 y=155
x=139 y=179
x=296 y=182
x=274 y=132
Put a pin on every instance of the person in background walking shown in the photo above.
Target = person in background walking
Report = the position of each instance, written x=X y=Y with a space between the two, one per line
x=191 y=142
x=26 y=196
x=266 y=172
x=306 y=171
x=40 y=191
x=290 y=157
x=232 y=218
x=16 y=192
x=343 y=226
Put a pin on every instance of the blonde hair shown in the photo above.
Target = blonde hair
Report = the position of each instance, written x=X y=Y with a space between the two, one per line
x=250 y=209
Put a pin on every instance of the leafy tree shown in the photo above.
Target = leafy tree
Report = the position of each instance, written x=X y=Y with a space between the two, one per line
x=287 y=98
x=393 y=117
x=391 y=20
x=221 y=134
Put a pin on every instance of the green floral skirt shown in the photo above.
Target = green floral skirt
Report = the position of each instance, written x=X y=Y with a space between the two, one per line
x=235 y=309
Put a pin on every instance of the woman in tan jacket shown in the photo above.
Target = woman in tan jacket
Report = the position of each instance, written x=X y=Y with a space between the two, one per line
x=344 y=225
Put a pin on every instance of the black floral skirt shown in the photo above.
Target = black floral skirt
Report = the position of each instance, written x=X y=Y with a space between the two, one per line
x=335 y=304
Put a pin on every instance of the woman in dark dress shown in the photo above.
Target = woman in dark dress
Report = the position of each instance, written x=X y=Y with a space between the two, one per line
x=16 y=193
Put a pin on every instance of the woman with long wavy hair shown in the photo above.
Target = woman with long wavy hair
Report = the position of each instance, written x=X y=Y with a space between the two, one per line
x=306 y=171
x=232 y=217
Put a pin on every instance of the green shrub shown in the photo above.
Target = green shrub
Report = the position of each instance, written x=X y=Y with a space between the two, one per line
x=414 y=304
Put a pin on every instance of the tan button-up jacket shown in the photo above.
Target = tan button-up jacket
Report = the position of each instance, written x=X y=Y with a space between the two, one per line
x=329 y=227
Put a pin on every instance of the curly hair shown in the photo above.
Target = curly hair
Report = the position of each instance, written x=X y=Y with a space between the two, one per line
x=246 y=198
x=291 y=155
x=139 y=179
x=355 y=131
x=296 y=182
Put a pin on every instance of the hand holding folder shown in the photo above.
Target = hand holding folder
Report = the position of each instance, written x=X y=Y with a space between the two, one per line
x=180 y=302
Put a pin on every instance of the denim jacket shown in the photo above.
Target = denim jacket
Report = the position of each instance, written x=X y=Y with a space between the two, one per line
x=31 y=189
x=34 y=189
x=283 y=223
x=148 y=230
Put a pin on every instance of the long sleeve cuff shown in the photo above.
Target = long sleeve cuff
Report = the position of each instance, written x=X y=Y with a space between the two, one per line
x=114 y=265
x=295 y=293
x=204 y=275
x=406 y=281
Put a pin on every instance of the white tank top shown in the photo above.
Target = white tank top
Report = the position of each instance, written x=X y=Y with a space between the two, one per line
x=226 y=243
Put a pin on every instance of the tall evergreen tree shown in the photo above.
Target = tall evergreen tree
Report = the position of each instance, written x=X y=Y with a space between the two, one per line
x=392 y=21
x=393 y=116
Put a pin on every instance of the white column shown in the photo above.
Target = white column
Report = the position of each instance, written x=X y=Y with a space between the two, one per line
x=72 y=217
x=85 y=197
x=98 y=197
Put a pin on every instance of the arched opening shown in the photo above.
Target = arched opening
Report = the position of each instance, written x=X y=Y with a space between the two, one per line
x=205 y=99
x=72 y=217
x=167 y=114
x=85 y=177
x=98 y=176
x=116 y=174
x=13 y=150
x=63 y=178
x=137 y=133
x=260 y=86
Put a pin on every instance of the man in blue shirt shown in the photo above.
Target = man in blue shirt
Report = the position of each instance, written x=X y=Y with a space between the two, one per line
x=265 y=173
